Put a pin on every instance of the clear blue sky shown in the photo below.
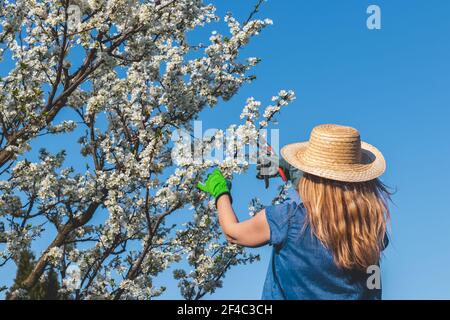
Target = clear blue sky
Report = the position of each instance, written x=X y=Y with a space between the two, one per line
x=392 y=84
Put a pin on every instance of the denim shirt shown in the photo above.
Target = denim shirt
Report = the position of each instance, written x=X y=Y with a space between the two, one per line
x=302 y=268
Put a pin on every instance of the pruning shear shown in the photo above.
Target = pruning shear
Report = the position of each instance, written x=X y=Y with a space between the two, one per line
x=269 y=156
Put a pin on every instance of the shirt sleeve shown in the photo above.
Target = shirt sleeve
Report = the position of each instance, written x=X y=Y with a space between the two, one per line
x=278 y=219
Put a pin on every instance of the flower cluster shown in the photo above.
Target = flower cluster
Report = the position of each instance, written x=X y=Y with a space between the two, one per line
x=121 y=78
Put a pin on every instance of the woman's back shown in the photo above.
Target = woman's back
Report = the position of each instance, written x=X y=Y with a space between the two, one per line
x=301 y=267
x=323 y=248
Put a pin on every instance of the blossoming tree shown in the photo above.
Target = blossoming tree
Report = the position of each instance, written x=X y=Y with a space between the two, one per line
x=132 y=78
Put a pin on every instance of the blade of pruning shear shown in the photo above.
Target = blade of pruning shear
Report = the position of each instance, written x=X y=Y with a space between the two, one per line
x=267 y=148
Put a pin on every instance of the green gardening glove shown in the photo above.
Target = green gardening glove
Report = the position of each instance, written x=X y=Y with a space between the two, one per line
x=216 y=185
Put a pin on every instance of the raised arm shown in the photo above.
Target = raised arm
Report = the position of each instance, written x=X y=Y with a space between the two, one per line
x=253 y=232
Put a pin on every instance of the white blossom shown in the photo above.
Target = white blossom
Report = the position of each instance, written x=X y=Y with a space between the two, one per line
x=121 y=82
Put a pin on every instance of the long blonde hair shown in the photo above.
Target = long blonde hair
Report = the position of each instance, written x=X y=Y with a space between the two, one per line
x=349 y=218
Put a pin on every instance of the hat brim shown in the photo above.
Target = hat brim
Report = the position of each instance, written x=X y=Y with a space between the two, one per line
x=372 y=165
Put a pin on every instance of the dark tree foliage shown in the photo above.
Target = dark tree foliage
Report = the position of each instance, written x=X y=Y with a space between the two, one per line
x=45 y=290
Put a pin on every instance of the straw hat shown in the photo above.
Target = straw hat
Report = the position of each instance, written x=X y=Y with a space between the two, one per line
x=336 y=152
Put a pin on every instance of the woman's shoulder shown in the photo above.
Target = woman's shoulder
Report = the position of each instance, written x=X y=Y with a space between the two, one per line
x=282 y=219
x=286 y=210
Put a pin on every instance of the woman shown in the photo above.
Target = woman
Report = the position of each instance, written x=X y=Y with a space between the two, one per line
x=323 y=247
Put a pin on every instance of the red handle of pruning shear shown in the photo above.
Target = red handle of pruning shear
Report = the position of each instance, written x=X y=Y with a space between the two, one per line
x=280 y=170
x=282 y=174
